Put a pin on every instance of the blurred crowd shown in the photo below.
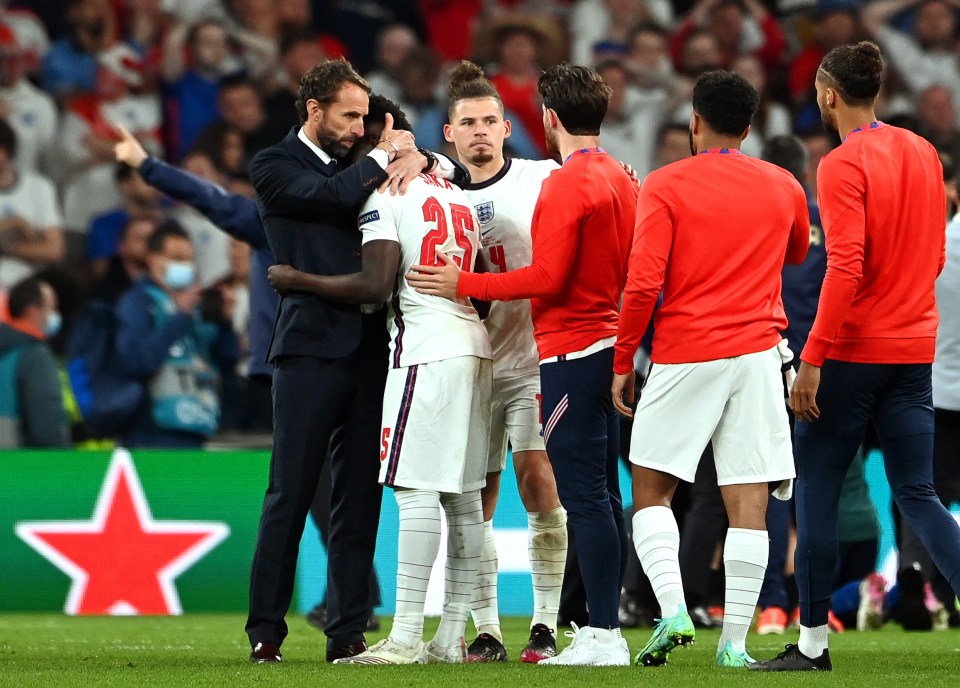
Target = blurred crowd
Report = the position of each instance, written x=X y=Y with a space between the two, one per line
x=205 y=84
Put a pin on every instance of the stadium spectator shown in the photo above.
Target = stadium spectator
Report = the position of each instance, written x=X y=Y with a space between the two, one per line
x=595 y=21
x=241 y=107
x=223 y=145
x=673 y=144
x=772 y=118
x=128 y=264
x=140 y=201
x=699 y=53
x=394 y=43
x=740 y=28
x=162 y=340
x=211 y=246
x=633 y=119
x=521 y=53
x=419 y=79
x=937 y=121
x=31 y=32
x=926 y=56
x=31 y=228
x=195 y=58
x=30 y=111
x=836 y=22
x=31 y=401
x=648 y=58
x=72 y=64
x=299 y=51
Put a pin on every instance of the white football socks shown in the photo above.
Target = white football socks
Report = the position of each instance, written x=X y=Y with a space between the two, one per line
x=547 y=547
x=465 y=536
x=417 y=548
x=745 y=555
x=657 y=539
x=483 y=604
x=813 y=641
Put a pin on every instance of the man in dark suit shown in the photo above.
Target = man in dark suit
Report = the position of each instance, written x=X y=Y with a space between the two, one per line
x=330 y=359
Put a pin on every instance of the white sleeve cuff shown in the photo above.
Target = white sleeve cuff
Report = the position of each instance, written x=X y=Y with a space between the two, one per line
x=445 y=168
x=381 y=156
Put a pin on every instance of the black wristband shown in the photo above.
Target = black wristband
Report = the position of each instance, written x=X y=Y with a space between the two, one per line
x=431 y=159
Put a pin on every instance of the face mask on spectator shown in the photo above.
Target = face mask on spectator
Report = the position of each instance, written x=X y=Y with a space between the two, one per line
x=179 y=275
x=52 y=325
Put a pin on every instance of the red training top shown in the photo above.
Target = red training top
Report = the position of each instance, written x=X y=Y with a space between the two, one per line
x=713 y=231
x=582 y=229
x=883 y=207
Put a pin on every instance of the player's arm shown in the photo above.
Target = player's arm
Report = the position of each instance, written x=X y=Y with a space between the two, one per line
x=841 y=196
x=373 y=284
x=652 y=242
x=799 y=242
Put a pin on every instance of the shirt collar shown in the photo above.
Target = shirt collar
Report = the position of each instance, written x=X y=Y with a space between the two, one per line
x=721 y=151
x=585 y=151
x=318 y=151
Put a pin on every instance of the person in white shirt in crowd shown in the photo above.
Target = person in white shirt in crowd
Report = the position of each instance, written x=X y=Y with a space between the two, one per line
x=30 y=111
x=394 y=43
x=772 y=118
x=928 y=55
x=630 y=128
x=31 y=227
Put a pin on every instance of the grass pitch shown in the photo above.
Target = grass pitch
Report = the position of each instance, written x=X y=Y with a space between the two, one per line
x=211 y=650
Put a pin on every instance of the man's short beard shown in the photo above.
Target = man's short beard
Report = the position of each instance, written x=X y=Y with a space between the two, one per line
x=827 y=124
x=478 y=159
x=333 y=145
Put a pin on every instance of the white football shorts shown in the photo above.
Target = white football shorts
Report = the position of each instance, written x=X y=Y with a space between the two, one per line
x=436 y=425
x=515 y=417
x=735 y=402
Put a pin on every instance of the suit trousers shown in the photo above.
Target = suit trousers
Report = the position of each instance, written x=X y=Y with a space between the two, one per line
x=322 y=405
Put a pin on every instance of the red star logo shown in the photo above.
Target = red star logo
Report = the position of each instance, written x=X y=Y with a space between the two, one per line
x=122 y=561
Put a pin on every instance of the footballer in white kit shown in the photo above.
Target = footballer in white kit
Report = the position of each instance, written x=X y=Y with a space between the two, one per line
x=436 y=406
x=504 y=205
x=504 y=194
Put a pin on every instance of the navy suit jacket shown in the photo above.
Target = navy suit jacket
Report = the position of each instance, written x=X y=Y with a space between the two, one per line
x=309 y=212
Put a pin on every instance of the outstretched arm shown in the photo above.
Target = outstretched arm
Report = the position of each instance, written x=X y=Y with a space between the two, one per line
x=373 y=284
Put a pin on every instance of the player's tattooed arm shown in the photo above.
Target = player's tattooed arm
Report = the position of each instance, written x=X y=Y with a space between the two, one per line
x=373 y=284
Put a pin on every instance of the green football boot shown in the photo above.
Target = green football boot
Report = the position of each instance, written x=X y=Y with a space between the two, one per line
x=674 y=631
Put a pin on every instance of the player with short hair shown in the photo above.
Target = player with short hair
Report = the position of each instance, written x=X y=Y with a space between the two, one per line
x=504 y=193
x=713 y=232
x=436 y=408
x=870 y=350
x=582 y=229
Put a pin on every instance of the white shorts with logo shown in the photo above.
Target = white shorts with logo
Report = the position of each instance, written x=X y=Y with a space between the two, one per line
x=738 y=403
x=436 y=425
x=515 y=417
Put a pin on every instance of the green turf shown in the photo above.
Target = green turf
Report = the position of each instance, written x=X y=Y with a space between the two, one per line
x=211 y=650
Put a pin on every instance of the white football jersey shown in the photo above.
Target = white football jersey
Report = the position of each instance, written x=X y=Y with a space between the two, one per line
x=504 y=205
x=431 y=216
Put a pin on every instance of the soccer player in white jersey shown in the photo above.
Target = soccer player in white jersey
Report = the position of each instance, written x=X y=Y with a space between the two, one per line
x=436 y=408
x=504 y=193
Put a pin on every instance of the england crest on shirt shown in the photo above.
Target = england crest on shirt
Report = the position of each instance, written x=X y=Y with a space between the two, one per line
x=485 y=212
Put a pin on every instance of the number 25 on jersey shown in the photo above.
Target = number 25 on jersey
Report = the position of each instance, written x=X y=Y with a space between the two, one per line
x=461 y=219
